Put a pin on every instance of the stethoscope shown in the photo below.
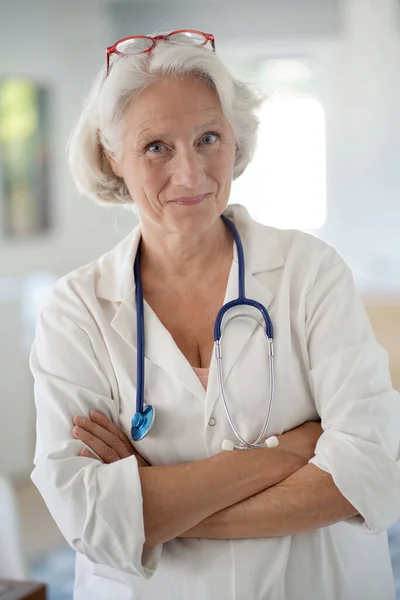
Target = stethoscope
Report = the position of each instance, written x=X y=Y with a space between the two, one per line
x=143 y=419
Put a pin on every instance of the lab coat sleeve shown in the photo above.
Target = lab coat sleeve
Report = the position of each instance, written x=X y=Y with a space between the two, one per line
x=359 y=410
x=98 y=507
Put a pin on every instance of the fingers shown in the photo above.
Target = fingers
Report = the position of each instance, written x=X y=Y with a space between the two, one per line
x=103 y=421
x=105 y=452
x=87 y=454
x=107 y=445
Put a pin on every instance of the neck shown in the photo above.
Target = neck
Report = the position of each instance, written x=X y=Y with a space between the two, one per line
x=174 y=255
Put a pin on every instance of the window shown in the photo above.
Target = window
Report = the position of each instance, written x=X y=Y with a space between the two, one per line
x=285 y=184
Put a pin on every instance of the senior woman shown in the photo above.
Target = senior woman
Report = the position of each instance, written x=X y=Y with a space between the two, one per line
x=171 y=515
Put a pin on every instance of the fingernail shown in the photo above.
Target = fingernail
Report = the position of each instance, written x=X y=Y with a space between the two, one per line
x=76 y=431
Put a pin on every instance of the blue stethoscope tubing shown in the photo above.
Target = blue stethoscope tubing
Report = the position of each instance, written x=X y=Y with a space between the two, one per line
x=143 y=419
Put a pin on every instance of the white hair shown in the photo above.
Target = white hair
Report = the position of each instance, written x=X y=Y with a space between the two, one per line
x=99 y=129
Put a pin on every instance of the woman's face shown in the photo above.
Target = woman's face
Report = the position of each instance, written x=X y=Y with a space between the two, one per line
x=177 y=156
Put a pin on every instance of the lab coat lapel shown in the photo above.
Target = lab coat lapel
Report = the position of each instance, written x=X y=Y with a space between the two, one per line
x=160 y=347
x=118 y=283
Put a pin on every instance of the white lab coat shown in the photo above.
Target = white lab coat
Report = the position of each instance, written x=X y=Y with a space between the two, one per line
x=327 y=365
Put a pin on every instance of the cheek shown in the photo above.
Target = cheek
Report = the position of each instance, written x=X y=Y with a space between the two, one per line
x=221 y=167
x=144 y=179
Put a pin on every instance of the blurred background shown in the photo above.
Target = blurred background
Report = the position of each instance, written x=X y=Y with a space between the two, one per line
x=327 y=162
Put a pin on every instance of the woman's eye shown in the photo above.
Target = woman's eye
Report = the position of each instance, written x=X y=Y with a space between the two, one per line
x=209 y=138
x=155 y=147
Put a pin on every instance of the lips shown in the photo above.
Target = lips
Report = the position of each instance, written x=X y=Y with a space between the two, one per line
x=190 y=201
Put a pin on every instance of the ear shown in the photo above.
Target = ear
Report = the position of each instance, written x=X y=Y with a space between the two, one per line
x=115 y=166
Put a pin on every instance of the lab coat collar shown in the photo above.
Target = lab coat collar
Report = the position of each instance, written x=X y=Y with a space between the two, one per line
x=116 y=281
x=262 y=253
x=261 y=245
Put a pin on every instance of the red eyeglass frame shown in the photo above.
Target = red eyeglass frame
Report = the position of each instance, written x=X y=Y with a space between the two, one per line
x=113 y=49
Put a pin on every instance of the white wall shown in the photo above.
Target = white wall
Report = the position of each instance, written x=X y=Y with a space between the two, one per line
x=226 y=19
x=361 y=93
x=358 y=76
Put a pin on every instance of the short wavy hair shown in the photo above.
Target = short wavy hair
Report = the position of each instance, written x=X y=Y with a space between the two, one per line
x=99 y=129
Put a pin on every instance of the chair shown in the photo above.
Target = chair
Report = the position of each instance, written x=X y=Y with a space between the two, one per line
x=13 y=564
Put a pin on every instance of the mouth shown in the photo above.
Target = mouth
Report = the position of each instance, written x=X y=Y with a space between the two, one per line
x=189 y=201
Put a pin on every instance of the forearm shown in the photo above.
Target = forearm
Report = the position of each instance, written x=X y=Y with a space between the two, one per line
x=306 y=500
x=178 y=497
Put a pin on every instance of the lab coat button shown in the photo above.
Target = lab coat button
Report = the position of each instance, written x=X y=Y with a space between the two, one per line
x=212 y=422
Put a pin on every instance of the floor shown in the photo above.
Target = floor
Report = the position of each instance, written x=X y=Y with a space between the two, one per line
x=52 y=561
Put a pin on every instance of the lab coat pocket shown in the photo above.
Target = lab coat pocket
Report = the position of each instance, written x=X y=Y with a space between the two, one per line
x=112 y=583
x=262 y=576
x=108 y=572
x=101 y=582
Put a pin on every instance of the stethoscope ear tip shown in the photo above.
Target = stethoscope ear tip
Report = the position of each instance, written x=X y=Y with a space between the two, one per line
x=228 y=445
x=272 y=442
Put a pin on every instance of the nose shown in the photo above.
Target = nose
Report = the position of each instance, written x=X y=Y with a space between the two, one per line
x=188 y=169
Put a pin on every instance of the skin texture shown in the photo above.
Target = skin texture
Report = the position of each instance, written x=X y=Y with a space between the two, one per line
x=307 y=499
x=177 y=145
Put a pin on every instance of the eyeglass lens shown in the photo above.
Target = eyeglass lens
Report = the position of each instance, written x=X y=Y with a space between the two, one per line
x=187 y=37
x=134 y=45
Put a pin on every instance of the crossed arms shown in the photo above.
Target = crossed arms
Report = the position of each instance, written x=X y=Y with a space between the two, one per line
x=250 y=494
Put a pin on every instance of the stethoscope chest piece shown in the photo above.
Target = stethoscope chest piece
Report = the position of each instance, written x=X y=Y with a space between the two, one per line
x=142 y=423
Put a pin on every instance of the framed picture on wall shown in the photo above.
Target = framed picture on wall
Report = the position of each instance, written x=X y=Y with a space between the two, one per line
x=24 y=157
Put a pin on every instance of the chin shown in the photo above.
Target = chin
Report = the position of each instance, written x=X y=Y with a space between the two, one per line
x=194 y=219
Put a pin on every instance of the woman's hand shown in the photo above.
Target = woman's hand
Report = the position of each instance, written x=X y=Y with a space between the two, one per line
x=105 y=438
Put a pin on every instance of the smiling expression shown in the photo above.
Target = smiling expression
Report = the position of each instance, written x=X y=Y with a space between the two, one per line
x=177 y=155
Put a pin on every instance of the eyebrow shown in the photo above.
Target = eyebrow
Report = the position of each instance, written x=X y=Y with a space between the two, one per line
x=214 y=121
x=152 y=134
